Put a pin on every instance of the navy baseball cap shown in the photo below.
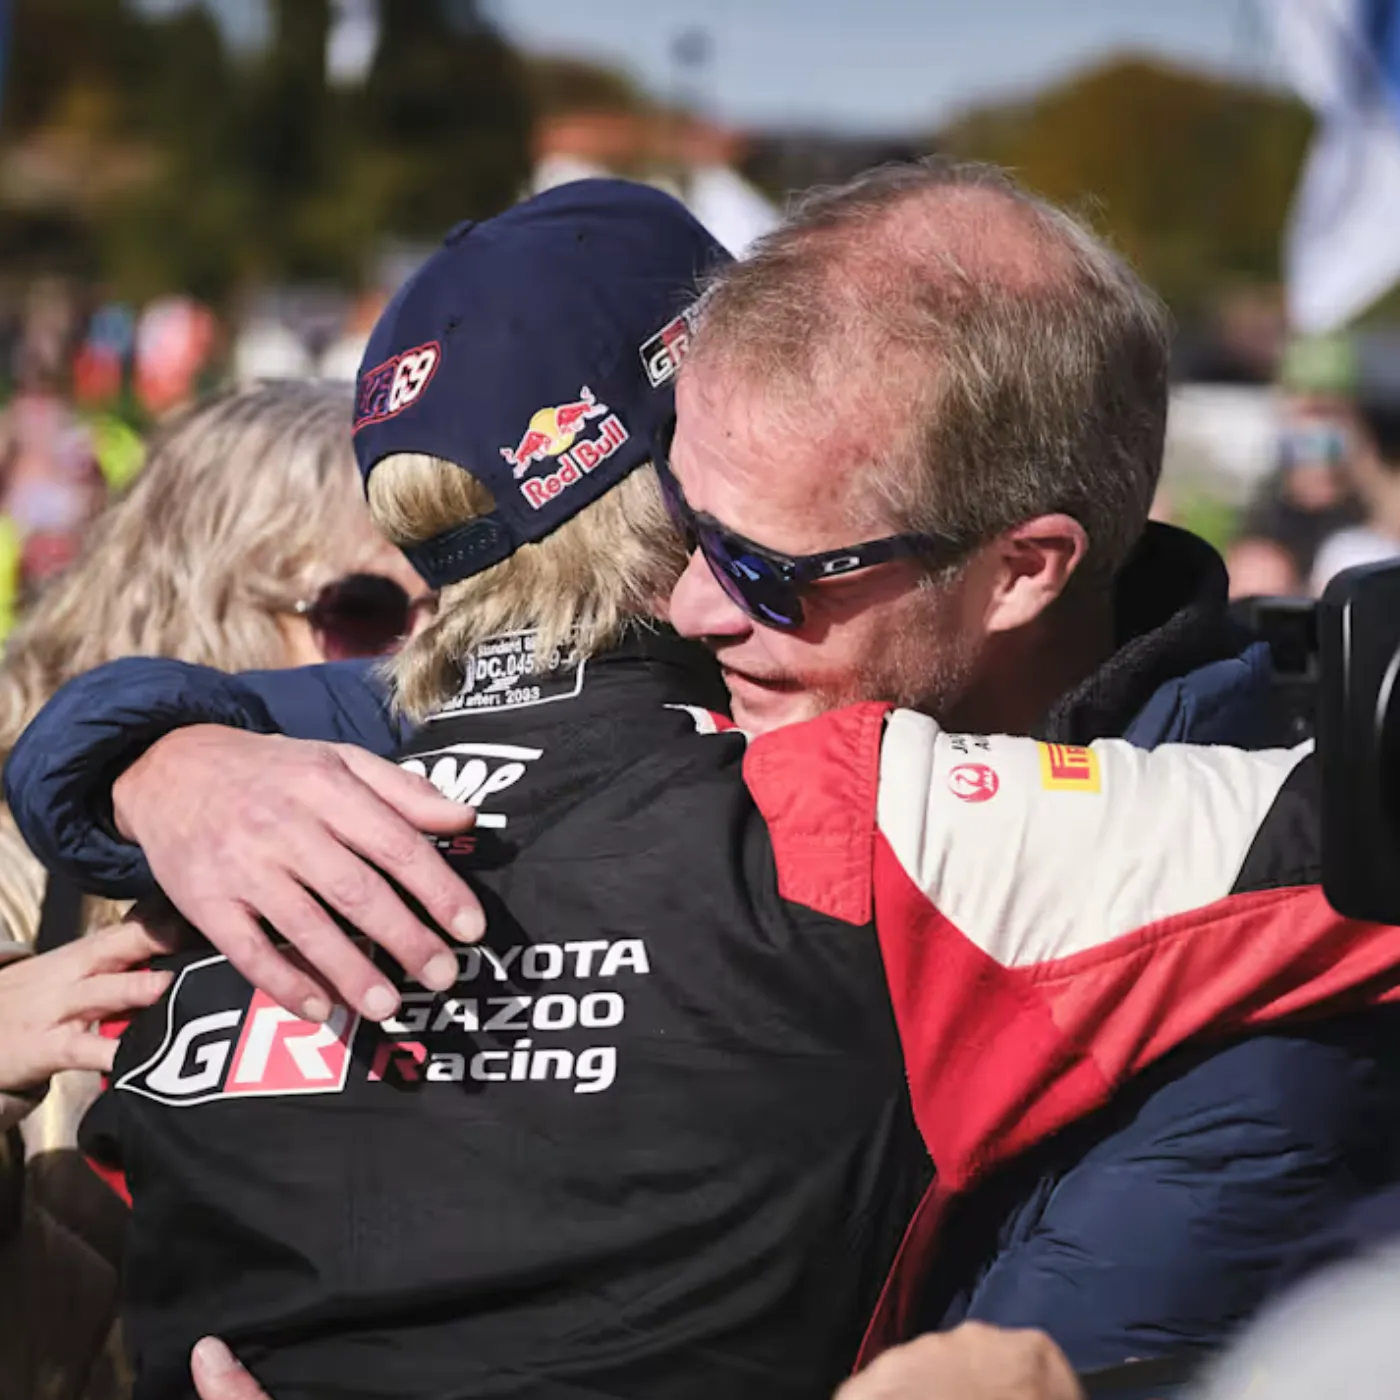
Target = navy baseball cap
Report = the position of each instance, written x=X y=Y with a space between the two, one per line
x=535 y=350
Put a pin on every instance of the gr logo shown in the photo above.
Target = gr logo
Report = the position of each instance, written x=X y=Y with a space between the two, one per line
x=663 y=353
x=470 y=773
x=224 y=1040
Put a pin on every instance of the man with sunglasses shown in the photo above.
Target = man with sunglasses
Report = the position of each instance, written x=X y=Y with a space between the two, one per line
x=869 y=524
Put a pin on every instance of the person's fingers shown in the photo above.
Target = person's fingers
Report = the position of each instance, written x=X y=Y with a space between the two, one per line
x=392 y=839
x=972 y=1361
x=218 y=1374
x=358 y=892
x=235 y=931
x=126 y=944
x=111 y=993
x=85 y=1049
x=388 y=842
x=411 y=795
x=156 y=913
x=329 y=951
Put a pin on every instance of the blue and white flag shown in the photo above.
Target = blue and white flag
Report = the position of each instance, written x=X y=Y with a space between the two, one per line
x=1342 y=248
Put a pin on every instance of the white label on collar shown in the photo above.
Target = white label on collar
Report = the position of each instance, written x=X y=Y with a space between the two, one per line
x=505 y=673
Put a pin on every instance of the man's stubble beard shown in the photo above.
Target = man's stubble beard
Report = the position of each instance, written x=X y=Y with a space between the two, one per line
x=927 y=665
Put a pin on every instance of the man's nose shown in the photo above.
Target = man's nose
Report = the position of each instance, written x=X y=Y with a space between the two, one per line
x=701 y=608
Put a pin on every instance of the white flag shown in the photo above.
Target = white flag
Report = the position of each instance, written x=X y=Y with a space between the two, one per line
x=733 y=211
x=352 y=41
x=1342 y=248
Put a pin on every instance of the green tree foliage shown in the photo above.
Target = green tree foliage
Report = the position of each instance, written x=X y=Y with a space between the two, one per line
x=193 y=224
x=59 y=47
x=445 y=115
x=67 y=104
x=1190 y=176
x=221 y=170
x=560 y=85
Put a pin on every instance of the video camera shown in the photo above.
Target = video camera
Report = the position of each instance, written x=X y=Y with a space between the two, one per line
x=1337 y=663
x=1357 y=625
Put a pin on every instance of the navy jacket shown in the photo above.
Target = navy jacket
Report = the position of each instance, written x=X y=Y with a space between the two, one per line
x=1152 y=1228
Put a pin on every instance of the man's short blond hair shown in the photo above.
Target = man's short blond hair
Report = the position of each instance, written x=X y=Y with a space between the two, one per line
x=1009 y=363
x=612 y=564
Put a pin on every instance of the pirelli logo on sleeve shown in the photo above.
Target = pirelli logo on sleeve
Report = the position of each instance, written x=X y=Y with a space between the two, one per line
x=1068 y=768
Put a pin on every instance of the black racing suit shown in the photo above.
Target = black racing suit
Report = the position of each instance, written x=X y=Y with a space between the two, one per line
x=665 y=1151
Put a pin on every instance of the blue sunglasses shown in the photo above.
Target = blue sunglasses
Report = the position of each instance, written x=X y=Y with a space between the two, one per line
x=768 y=585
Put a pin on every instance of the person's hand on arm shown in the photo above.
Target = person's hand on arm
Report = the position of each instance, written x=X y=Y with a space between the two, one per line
x=239 y=827
x=972 y=1362
x=50 y=1003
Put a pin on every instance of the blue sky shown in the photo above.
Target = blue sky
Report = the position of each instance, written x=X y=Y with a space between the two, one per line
x=883 y=65
x=886 y=66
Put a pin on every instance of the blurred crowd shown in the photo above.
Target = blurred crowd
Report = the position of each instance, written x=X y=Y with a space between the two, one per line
x=1332 y=500
x=83 y=385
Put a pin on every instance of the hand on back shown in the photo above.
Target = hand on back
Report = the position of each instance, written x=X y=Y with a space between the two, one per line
x=242 y=827
x=972 y=1362
x=218 y=1374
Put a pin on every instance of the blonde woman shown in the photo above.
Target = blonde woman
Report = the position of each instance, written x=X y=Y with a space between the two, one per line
x=244 y=543
x=248 y=506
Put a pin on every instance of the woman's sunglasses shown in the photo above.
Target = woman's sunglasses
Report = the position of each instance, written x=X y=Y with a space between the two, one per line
x=360 y=615
x=766 y=585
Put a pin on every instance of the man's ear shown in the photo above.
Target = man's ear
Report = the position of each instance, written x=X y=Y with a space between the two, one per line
x=1031 y=566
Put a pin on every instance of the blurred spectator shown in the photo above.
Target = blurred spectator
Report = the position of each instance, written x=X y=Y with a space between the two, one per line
x=1311 y=494
x=119 y=449
x=103 y=368
x=175 y=339
x=57 y=1293
x=244 y=543
x=99 y=366
x=341 y=358
x=266 y=349
x=50 y=480
x=1377 y=474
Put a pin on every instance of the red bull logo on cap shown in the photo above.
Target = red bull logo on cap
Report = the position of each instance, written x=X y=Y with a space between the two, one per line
x=554 y=433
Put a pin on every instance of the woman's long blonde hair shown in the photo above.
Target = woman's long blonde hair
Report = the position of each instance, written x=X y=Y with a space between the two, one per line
x=245 y=505
x=580 y=586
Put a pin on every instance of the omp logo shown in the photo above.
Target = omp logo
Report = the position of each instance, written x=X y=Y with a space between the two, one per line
x=470 y=773
x=253 y=1048
x=1068 y=768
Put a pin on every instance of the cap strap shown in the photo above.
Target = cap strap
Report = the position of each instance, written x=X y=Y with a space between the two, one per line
x=462 y=551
